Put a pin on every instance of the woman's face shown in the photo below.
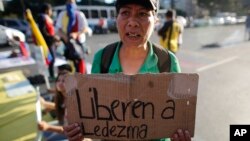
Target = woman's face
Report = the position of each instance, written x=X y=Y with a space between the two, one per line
x=49 y=12
x=60 y=83
x=135 y=24
x=70 y=1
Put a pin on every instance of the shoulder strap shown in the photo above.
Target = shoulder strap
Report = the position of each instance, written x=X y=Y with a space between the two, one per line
x=170 y=35
x=164 y=60
x=163 y=30
x=107 y=56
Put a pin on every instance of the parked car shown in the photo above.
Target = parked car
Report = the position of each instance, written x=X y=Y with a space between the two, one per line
x=230 y=20
x=216 y=21
x=112 y=25
x=229 y=17
x=18 y=24
x=241 y=19
x=200 y=22
x=7 y=34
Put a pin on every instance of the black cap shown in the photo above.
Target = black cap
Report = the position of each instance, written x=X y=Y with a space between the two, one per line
x=149 y=4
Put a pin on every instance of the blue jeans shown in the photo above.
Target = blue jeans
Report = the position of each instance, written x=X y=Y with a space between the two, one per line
x=53 y=136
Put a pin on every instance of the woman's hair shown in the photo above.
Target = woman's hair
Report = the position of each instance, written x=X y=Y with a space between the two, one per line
x=170 y=13
x=64 y=67
x=45 y=7
x=59 y=102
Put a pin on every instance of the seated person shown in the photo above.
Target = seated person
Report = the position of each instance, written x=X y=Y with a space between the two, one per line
x=55 y=132
x=65 y=68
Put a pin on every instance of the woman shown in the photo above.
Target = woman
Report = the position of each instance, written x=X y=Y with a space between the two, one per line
x=46 y=27
x=134 y=54
x=55 y=131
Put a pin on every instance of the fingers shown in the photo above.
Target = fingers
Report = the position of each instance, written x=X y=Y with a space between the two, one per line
x=175 y=137
x=77 y=137
x=73 y=132
x=187 y=135
x=42 y=125
x=181 y=135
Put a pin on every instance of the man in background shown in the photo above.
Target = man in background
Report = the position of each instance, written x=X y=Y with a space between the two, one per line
x=170 y=32
x=248 y=25
x=72 y=26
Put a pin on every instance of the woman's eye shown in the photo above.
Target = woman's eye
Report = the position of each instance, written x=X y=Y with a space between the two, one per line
x=124 y=13
x=143 y=14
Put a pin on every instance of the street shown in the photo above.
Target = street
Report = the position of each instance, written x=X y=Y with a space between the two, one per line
x=220 y=56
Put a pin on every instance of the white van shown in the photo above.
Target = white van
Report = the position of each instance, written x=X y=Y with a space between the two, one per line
x=100 y=18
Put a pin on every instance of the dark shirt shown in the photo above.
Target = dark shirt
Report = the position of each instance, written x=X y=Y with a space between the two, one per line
x=248 y=21
x=46 y=27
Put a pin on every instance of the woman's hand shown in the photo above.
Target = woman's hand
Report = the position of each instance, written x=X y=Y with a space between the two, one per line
x=73 y=132
x=43 y=126
x=74 y=35
x=181 y=135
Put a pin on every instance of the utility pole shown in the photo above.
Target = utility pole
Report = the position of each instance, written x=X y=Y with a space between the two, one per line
x=172 y=4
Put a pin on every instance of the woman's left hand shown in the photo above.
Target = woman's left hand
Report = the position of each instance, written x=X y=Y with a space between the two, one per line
x=74 y=35
x=181 y=135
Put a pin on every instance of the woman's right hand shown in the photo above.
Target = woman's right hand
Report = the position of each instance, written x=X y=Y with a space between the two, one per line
x=43 y=126
x=181 y=135
x=73 y=132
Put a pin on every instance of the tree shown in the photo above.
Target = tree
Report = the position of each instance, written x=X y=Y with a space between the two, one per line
x=215 y=6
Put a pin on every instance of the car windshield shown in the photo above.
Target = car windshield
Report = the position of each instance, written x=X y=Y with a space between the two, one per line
x=25 y=23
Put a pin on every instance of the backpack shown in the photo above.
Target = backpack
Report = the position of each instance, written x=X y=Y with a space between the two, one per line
x=164 y=60
x=164 y=29
x=73 y=51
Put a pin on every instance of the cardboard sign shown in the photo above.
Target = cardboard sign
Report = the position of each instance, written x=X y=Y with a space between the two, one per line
x=132 y=107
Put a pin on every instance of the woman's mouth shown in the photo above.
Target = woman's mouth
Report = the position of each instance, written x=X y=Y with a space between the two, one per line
x=133 y=35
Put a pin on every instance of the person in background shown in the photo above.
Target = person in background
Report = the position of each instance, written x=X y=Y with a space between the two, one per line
x=65 y=68
x=46 y=26
x=48 y=101
x=170 y=32
x=55 y=131
x=247 y=23
x=72 y=26
x=134 y=53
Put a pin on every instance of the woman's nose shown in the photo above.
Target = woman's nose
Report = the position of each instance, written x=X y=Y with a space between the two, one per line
x=133 y=22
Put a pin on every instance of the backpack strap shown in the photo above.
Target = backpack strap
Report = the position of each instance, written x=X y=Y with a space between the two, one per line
x=170 y=35
x=164 y=60
x=107 y=56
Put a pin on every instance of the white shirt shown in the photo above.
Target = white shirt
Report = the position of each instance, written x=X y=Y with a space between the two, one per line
x=82 y=23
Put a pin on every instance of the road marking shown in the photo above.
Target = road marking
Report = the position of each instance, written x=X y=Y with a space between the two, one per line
x=216 y=64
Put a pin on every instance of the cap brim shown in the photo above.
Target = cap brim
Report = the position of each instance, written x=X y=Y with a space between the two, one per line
x=145 y=3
